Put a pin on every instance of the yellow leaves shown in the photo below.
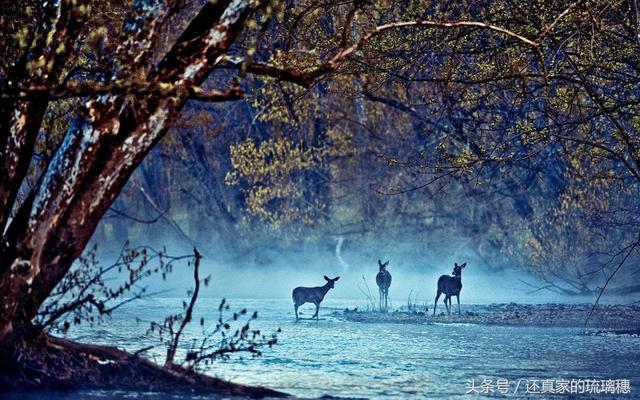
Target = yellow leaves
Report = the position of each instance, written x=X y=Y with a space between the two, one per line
x=271 y=158
x=60 y=49
x=528 y=132
x=83 y=10
x=464 y=161
x=97 y=33
x=270 y=173
x=22 y=37
x=342 y=143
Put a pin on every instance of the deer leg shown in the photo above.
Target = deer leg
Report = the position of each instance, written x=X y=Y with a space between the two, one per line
x=458 y=298
x=317 y=309
x=296 y=308
x=436 y=302
x=386 y=293
x=447 y=303
x=380 y=299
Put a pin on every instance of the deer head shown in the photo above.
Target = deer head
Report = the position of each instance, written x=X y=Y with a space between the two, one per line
x=330 y=281
x=383 y=265
x=457 y=269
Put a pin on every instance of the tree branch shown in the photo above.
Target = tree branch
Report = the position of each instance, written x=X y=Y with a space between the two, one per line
x=20 y=121
x=171 y=351
x=307 y=78
x=125 y=87
x=70 y=307
x=631 y=248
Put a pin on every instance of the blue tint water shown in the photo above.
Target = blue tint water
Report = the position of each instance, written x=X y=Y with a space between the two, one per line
x=339 y=358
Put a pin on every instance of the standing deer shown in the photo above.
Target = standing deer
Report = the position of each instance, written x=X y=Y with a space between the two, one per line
x=383 y=279
x=313 y=295
x=450 y=286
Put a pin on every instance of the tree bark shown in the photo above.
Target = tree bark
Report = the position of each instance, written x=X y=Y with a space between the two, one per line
x=19 y=120
x=102 y=147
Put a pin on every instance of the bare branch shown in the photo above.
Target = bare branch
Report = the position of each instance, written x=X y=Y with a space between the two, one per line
x=631 y=248
x=173 y=346
x=70 y=307
x=555 y=22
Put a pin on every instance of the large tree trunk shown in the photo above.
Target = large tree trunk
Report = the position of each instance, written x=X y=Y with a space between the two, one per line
x=20 y=120
x=102 y=147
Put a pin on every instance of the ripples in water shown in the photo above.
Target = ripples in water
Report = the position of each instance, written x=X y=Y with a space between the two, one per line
x=334 y=357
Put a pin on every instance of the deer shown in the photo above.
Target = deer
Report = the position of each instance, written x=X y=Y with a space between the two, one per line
x=450 y=286
x=383 y=279
x=313 y=295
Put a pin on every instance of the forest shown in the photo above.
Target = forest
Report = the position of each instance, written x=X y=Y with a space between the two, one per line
x=508 y=131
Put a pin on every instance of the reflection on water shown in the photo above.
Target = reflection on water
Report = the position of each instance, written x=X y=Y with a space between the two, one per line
x=341 y=358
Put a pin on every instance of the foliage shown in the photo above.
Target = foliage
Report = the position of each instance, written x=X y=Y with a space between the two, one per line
x=529 y=155
x=272 y=176
x=526 y=113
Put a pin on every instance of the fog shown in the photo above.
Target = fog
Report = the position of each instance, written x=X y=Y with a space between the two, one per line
x=409 y=279
x=276 y=274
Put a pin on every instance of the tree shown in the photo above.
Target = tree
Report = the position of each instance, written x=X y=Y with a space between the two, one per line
x=567 y=135
x=132 y=86
x=101 y=148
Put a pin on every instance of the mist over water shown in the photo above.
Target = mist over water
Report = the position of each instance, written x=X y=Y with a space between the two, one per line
x=274 y=274
x=278 y=281
x=335 y=356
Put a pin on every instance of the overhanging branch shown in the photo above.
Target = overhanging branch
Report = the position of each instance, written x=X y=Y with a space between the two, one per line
x=306 y=78
x=85 y=89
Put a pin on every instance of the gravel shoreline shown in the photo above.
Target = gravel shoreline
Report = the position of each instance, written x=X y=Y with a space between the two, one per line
x=618 y=319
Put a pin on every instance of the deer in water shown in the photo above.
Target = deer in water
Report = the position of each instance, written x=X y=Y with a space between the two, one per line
x=450 y=286
x=313 y=295
x=383 y=279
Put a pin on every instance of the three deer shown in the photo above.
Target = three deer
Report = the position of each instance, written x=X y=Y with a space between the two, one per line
x=450 y=286
x=383 y=279
x=313 y=295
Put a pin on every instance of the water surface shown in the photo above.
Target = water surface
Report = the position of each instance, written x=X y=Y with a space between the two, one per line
x=339 y=358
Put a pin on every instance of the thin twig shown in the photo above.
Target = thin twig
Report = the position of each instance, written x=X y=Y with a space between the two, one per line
x=631 y=249
x=171 y=352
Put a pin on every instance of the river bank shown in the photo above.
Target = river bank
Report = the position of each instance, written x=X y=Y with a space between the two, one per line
x=614 y=318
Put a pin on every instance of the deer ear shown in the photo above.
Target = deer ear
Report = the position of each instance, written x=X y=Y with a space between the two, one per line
x=336 y=278
x=464 y=265
x=386 y=262
x=326 y=278
x=455 y=264
x=379 y=262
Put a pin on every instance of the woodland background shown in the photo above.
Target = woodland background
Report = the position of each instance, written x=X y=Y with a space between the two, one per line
x=255 y=128
x=426 y=138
